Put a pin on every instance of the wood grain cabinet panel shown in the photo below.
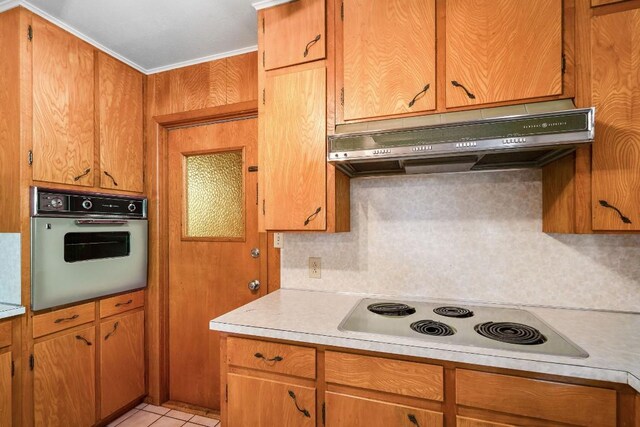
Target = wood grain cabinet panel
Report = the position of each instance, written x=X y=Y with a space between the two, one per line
x=65 y=318
x=272 y=357
x=121 y=361
x=294 y=149
x=5 y=389
x=595 y=3
x=64 y=380
x=5 y=333
x=472 y=422
x=120 y=114
x=63 y=106
x=350 y=411
x=198 y=86
x=563 y=403
x=266 y=403
x=294 y=33
x=389 y=55
x=392 y=376
x=242 y=78
x=121 y=303
x=502 y=50
x=616 y=95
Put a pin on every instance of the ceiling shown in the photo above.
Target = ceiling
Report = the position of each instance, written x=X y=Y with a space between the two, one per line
x=155 y=35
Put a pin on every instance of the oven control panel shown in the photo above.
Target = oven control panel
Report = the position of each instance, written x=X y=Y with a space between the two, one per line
x=47 y=202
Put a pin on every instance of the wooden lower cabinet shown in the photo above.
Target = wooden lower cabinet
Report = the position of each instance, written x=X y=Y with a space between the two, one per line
x=5 y=389
x=472 y=422
x=343 y=410
x=268 y=403
x=121 y=361
x=64 y=380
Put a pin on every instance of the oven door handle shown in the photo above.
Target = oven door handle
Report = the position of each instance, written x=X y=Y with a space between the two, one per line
x=101 y=222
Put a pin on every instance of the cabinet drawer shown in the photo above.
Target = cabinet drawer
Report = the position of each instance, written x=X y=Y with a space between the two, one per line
x=5 y=334
x=472 y=422
x=121 y=303
x=48 y=323
x=391 y=376
x=272 y=357
x=565 y=403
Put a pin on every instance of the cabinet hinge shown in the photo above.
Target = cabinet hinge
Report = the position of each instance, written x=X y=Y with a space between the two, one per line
x=13 y=369
x=30 y=33
x=32 y=362
x=226 y=392
x=342 y=97
x=564 y=63
x=264 y=97
x=264 y=209
x=324 y=412
x=30 y=157
x=342 y=11
x=262 y=25
x=264 y=59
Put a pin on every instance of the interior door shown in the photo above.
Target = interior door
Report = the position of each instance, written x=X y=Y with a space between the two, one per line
x=213 y=228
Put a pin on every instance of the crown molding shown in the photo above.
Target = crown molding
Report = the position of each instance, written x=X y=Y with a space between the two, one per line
x=203 y=59
x=264 y=4
x=8 y=4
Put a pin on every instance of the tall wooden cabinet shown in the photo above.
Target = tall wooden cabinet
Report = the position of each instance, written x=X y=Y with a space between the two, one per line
x=5 y=389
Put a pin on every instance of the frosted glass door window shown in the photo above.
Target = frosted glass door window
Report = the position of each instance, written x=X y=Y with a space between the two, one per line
x=215 y=195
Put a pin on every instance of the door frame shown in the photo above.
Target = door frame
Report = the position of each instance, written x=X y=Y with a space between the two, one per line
x=156 y=178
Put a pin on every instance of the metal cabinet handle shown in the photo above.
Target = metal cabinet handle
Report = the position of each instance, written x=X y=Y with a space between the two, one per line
x=311 y=43
x=623 y=218
x=301 y=410
x=312 y=216
x=273 y=359
x=469 y=94
x=67 y=319
x=415 y=98
x=115 y=328
x=112 y=178
x=120 y=304
x=413 y=420
x=85 y=173
x=81 y=338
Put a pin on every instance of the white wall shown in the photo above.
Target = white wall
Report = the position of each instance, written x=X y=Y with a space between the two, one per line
x=472 y=236
x=10 y=286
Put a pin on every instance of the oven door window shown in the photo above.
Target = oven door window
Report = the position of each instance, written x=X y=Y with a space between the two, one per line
x=96 y=245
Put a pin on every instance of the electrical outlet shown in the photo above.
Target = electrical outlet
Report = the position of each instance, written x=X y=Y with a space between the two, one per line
x=314 y=267
x=277 y=240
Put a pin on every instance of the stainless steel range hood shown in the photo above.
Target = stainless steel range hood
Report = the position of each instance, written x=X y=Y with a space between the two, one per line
x=521 y=136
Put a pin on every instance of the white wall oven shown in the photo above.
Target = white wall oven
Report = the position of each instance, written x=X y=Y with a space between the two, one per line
x=85 y=245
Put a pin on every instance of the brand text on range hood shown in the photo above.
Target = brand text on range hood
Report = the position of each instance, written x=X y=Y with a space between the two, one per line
x=523 y=137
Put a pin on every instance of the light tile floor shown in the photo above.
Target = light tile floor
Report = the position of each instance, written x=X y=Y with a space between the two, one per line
x=145 y=415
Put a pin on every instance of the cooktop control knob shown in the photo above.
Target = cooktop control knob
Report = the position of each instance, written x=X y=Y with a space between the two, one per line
x=56 y=203
x=87 y=204
x=131 y=207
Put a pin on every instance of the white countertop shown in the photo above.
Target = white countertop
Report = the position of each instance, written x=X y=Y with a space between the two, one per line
x=10 y=310
x=612 y=339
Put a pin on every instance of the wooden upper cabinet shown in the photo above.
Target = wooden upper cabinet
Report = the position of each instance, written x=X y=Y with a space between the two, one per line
x=294 y=33
x=63 y=106
x=120 y=124
x=121 y=361
x=295 y=148
x=5 y=389
x=615 y=90
x=389 y=56
x=595 y=3
x=64 y=380
x=502 y=50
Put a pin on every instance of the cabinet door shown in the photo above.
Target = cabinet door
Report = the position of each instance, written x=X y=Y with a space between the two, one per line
x=472 y=422
x=502 y=50
x=616 y=96
x=350 y=411
x=63 y=115
x=294 y=33
x=295 y=149
x=120 y=118
x=267 y=403
x=389 y=56
x=64 y=380
x=5 y=389
x=121 y=361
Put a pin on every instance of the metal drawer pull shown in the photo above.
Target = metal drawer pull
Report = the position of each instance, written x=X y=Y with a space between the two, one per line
x=85 y=173
x=67 y=319
x=120 y=304
x=274 y=359
x=623 y=218
x=112 y=178
x=81 y=338
x=311 y=43
x=469 y=94
x=302 y=410
x=312 y=216
x=415 y=98
x=413 y=420
x=115 y=328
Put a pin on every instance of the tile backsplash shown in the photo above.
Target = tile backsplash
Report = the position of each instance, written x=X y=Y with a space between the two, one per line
x=10 y=268
x=470 y=236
